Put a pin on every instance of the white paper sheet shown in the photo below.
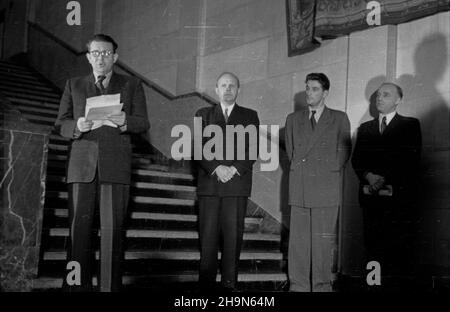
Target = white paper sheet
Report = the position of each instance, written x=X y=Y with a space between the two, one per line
x=99 y=107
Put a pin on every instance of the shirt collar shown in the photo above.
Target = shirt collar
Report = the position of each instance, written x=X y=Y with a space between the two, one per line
x=389 y=117
x=319 y=111
x=230 y=108
x=107 y=79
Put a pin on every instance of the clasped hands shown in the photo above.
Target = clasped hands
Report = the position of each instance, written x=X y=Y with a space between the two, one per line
x=225 y=173
x=376 y=182
x=86 y=125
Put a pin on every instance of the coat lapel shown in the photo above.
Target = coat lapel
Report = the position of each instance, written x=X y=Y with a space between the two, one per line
x=90 y=86
x=90 y=89
x=115 y=84
x=394 y=122
x=321 y=126
x=218 y=116
x=233 y=117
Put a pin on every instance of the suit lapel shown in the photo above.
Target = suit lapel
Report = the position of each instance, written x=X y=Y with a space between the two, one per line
x=233 y=118
x=394 y=122
x=91 y=90
x=115 y=84
x=218 y=116
x=321 y=126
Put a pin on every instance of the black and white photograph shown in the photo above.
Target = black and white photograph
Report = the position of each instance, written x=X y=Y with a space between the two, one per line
x=225 y=153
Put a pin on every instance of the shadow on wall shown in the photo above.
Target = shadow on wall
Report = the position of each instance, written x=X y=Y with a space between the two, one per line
x=423 y=100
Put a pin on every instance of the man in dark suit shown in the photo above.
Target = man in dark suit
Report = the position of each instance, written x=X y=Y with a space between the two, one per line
x=99 y=164
x=386 y=160
x=224 y=185
x=318 y=146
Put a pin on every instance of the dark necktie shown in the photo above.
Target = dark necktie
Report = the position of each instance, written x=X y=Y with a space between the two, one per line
x=313 y=119
x=383 y=125
x=99 y=84
x=225 y=115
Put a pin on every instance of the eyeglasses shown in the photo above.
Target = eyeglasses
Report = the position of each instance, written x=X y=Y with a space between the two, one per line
x=104 y=53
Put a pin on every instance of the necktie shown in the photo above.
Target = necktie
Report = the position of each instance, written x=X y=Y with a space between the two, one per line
x=383 y=125
x=99 y=84
x=225 y=115
x=313 y=119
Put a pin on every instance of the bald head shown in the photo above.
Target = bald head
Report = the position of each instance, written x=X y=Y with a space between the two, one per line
x=389 y=96
x=228 y=74
x=227 y=88
x=397 y=88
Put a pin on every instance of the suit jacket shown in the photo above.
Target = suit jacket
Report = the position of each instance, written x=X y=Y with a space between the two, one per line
x=106 y=147
x=239 y=185
x=317 y=157
x=395 y=154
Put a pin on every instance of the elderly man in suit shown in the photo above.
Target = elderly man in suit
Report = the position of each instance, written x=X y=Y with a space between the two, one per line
x=318 y=146
x=99 y=163
x=224 y=185
x=386 y=159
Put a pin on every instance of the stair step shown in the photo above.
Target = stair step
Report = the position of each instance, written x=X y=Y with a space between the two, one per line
x=133 y=233
x=26 y=96
x=173 y=175
x=58 y=147
x=25 y=80
x=6 y=64
x=29 y=88
x=181 y=277
x=136 y=199
x=171 y=255
x=41 y=104
x=18 y=91
x=64 y=213
x=27 y=76
x=56 y=173
x=46 y=120
x=34 y=110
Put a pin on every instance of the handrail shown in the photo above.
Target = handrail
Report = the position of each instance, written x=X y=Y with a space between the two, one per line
x=127 y=69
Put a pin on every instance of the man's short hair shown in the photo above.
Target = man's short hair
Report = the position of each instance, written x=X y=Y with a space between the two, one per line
x=399 y=90
x=321 y=78
x=102 y=38
x=230 y=74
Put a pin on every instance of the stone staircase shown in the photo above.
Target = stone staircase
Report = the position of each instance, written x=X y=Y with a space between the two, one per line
x=162 y=251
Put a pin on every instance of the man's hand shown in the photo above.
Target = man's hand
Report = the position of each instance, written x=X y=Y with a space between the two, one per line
x=376 y=182
x=224 y=173
x=84 y=125
x=118 y=119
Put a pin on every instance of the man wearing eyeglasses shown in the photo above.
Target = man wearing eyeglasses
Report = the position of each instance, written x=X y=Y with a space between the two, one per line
x=99 y=163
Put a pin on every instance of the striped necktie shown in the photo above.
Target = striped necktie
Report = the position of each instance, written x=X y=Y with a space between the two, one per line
x=383 y=125
x=225 y=115
x=99 y=84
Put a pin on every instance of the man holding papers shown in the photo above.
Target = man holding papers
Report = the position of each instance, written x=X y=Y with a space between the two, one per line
x=386 y=159
x=99 y=112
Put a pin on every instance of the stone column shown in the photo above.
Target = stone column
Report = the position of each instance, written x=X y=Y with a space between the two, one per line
x=24 y=147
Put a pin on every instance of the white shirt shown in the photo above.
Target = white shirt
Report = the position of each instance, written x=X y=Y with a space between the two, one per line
x=318 y=110
x=229 y=109
x=388 y=119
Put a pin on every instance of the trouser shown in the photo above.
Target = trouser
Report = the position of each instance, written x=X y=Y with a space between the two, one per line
x=389 y=233
x=220 y=217
x=112 y=200
x=313 y=253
